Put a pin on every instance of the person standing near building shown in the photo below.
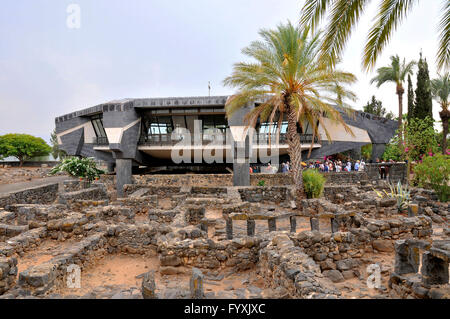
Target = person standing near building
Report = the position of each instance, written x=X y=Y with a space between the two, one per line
x=362 y=166
x=357 y=166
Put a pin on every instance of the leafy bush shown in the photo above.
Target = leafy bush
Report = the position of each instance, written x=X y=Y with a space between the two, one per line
x=313 y=183
x=262 y=183
x=79 y=167
x=434 y=172
x=23 y=146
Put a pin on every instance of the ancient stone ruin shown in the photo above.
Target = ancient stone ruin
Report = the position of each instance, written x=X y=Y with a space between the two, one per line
x=195 y=238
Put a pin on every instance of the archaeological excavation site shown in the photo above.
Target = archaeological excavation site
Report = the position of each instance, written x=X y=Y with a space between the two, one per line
x=195 y=236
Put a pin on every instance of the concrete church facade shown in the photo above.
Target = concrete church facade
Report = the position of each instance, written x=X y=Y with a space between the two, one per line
x=129 y=132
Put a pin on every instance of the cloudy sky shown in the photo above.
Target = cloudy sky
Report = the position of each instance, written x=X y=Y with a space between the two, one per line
x=157 y=48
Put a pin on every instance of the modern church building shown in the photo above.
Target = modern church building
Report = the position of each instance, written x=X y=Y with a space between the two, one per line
x=189 y=131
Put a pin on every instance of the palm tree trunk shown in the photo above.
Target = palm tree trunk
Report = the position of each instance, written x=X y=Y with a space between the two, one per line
x=295 y=151
x=400 y=92
x=445 y=115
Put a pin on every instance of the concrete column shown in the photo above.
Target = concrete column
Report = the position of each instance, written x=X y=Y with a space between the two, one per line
x=293 y=222
x=123 y=175
x=377 y=151
x=314 y=223
x=241 y=163
x=251 y=225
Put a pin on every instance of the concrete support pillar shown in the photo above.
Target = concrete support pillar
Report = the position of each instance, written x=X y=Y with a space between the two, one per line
x=314 y=223
x=229 y=228
x=377 y=151
x=293 y=222
x=241 y=163
x=272 y=222
x=251 y=225
x=123 y=175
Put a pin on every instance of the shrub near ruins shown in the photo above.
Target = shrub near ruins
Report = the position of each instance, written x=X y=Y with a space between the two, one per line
x=313 y=183
x=79 y=167
x=434 y=171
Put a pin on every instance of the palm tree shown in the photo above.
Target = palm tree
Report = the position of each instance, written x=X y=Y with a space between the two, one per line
x=395 y=73
x=292 y=82
x=345 y=15
x=440 y=89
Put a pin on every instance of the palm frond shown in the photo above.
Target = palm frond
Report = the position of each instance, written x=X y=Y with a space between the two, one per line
x=390 y=15
x=443 y=55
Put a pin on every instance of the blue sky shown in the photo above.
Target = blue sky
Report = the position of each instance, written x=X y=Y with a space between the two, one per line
x=146 y=48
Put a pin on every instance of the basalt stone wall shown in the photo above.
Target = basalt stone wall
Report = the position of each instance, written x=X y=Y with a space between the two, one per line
x=8 y=273
x=338 y=254
x=272 y=194
x=36 y=195
x=283 y=264
x=343 y=178
x=241 y=253
x=397 y=171
x=92 y=193
x=152 y=190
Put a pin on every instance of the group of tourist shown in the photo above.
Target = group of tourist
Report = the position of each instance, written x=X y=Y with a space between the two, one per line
x=327 y=165
x=337 y=165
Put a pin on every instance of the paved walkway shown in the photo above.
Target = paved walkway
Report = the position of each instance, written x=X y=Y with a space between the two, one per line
x=15 y=187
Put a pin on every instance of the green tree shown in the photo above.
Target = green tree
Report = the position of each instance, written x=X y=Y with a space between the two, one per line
x=375 y=107
x=395 y=73
x=423 y=105
x=419 y=140
x=345 y=15
x=56 y=151
x=293 y=82
x=410 y=98
x=390 y=115
x=366 y=151
x=440 y=89
x=23 y=147
x=434 y=172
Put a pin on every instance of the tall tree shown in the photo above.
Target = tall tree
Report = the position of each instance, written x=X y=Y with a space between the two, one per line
x=294 y=83
x=56 y=151
x=345 y=15
x=375 y=107
x=23 y=147
x=410 y=98
x=423 y=105
x=395 y=73
x=440 y=88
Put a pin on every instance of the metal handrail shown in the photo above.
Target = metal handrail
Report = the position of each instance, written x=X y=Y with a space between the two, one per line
x=261 y=138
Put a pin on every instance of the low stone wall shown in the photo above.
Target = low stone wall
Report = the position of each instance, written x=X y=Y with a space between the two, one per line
x=8 y=273
x=36 y=195
x=282 y=264
x=272 y=194
x=343 y=178
x=93 y=193
x=397 y=171
x=241 y=253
